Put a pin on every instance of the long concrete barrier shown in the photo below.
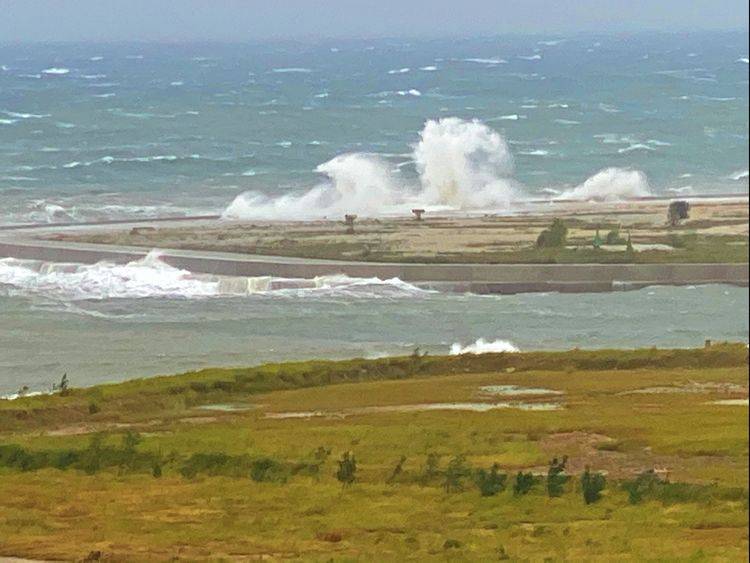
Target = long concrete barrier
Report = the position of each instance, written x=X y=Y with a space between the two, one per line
x=475 y=278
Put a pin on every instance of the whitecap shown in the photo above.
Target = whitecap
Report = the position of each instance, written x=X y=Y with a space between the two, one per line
x=56 y=71
x=22 y=115
x=537 y=152
x=535 y=57
x=399 y=70
x=429 y=68
x=743 y=60
x=291 y=70
x=486 y=61
x=739 y=175
x=567 y=122
x=635 y=147
x=97 y=58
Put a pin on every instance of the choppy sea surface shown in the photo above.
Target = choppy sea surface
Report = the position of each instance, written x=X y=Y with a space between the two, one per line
x=93 y=131
x=111 y=131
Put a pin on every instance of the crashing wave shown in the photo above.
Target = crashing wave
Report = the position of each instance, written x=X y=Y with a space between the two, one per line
x=151 y=276
x=482 y=346
x=611 y=184
x=461 y=165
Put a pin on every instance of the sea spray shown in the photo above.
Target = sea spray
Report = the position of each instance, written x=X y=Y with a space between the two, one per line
x=482 y=346
x=462 y=165
x=611 y=184
x=151 y=276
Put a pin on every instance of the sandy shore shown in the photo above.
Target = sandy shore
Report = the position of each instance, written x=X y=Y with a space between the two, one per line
x=448 y=238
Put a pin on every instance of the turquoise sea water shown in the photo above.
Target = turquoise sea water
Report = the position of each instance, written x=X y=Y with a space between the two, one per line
x=93 y=131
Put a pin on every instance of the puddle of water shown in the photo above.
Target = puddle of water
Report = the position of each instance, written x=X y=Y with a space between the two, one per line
x=731 y=402
x=476 y=407
x=515 y=390
x=226 y=407
x=691 y=387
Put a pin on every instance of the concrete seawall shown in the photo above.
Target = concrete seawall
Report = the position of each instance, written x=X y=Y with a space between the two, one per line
x=475 y=278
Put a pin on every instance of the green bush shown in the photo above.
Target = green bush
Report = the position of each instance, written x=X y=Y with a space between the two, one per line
x=554 y=236
x=347 y=470
x=524 y=483
x=490 y=482
x=455 y=473
x=613 y=237
x=592 y=485
x=267 y=469
x=556 y=477
x=397 y=470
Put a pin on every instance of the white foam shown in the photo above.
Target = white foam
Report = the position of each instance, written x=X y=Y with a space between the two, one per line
x=150 y=276
x=743 y=60
x=56 y=71
x=23 y=115
x=482 y=346
x=291 y=70
x=635 y=147
x=461 y=165
x=486 y=61
x=611 y=184
x=739 y=175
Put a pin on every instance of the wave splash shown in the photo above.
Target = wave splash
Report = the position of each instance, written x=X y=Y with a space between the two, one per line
x=461 y=166
x=611 y=184
x=482 y=346
x=151 y=276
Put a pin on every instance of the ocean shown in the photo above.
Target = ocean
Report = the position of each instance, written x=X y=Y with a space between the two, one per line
x=104 y=131
x=94 y=132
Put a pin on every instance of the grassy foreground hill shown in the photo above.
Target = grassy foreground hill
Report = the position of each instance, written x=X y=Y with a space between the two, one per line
x=415 y=457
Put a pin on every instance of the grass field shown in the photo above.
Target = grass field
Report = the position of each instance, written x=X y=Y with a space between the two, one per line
x=244 y=463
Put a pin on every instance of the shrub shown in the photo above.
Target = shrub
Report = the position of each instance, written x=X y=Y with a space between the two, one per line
x=455 y=473
x=556 y=477
x=93 y=408
x=554 y=236
x=524 y=483
x=267 y=469
x=397 y=470
x=490 y=482
x=592 y=485
x=430 y=470
x=347 y=470
x=613 y=237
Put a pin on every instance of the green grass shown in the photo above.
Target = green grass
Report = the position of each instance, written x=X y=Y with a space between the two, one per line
x=148 y=476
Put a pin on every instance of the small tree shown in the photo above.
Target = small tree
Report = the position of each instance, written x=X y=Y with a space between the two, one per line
x=430 y=469
x=455 y=473
x=556 y=477
x=490 y=482
x=347 y=468
x=592 y=485
x=523 y=484
x=397 y=470
x=554 y=236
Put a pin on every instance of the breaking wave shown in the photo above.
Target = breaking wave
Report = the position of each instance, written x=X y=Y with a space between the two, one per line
x=151 y=276
x=611 y=184
x=482 y=346
x=461 y=165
